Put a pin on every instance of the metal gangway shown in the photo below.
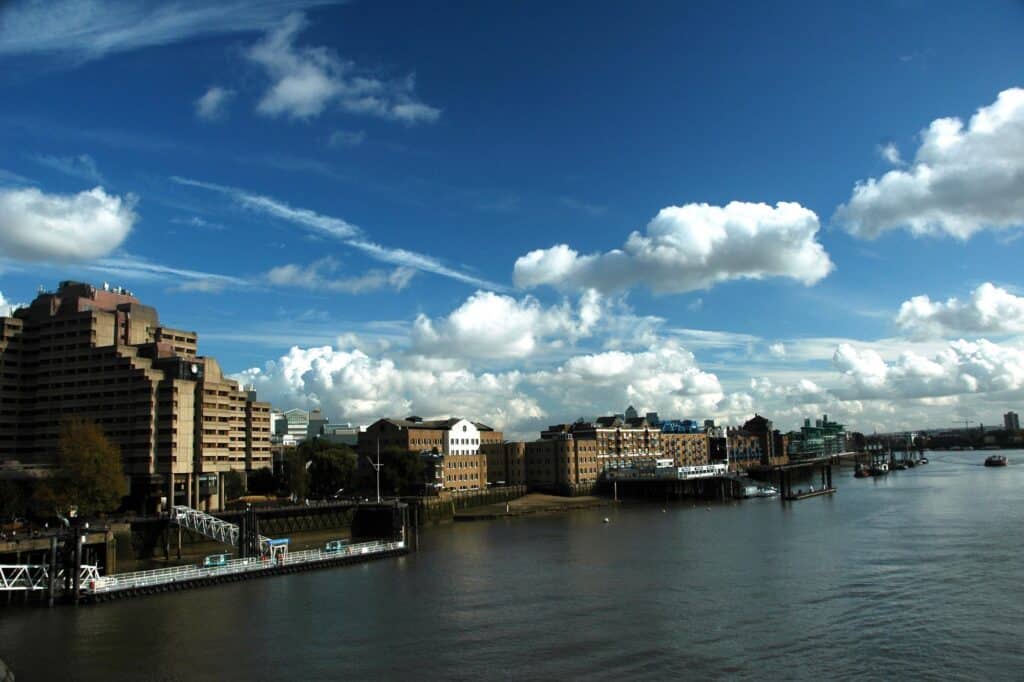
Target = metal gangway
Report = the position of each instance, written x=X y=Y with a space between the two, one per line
x=212 y=527
x=36 y=577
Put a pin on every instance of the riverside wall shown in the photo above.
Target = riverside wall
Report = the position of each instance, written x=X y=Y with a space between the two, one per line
x=441 y=509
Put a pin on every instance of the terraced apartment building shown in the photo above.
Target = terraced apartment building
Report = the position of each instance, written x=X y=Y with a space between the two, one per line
x=100 y=354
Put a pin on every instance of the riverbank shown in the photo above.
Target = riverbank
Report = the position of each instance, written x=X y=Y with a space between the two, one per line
x=529 y=504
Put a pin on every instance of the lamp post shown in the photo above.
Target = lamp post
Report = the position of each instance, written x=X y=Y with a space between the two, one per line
x=376 y=466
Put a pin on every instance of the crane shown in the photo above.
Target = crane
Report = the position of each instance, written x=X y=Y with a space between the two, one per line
x=965 y=422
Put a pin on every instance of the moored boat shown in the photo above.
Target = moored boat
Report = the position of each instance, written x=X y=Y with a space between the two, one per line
x=862 y=472
x=995 y=461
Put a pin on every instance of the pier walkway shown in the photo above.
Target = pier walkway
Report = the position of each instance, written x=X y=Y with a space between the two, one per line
x=179 y=577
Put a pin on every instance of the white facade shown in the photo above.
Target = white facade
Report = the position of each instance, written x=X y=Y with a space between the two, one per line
x=463 y=438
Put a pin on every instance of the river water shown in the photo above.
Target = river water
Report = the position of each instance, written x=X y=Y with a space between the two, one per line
x=919 y=574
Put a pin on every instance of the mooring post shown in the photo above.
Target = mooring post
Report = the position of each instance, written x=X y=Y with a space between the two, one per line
x=77 y=575
x=52 y=587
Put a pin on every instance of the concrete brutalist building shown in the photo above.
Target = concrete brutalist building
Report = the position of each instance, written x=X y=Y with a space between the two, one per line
x=100 y=354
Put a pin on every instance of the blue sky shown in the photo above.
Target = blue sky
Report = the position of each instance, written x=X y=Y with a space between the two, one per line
x=414 y=208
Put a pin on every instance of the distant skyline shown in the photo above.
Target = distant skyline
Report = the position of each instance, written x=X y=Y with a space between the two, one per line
x=524 y=214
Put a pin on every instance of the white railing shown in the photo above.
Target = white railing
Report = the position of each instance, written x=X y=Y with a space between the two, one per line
x=177 y=574
x=33 y=577
x=670 y=473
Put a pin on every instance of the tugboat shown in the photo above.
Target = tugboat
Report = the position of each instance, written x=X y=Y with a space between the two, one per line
x=880 y=469
x=862 y=472
x=995 y=461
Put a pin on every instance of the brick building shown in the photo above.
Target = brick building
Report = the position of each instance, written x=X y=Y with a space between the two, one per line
x=506 y=462
x=686 y=449
x=452 y=448
x=100 y=354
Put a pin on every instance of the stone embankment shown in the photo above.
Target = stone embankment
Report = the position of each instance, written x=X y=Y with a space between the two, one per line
x=533 y=503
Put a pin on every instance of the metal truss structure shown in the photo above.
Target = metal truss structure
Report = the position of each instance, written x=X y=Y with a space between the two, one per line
x=33 y=577
x=210 y=526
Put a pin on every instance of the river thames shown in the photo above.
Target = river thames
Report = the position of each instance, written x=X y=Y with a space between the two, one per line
x=919 y=574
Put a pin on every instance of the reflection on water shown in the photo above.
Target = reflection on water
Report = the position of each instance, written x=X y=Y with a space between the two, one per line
x=916 y=574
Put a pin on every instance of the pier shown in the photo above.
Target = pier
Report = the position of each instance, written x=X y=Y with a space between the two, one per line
x=783 y=475
x=65 y=577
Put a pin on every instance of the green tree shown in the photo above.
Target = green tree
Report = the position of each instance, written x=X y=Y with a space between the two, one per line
x=234 y=485
x=14 y=497
x=332 y=467
x=262 y=482
x=401 y=472
x=89 y=478
x=295 y=474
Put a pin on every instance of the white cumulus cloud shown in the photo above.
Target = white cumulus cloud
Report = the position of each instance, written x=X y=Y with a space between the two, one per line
x=962 y=179
x=963 y=367
x=990 y=310
x=35 y=226
x=692 y=247
x=489 y=325
x=305 y=80
x=7 y=307
x=354 y=386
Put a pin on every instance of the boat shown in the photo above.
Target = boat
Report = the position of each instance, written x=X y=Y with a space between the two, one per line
x=900 y=466
x=995 y=461
x=880 y=469
x=910 y=463
x=923 y=460
x=862 y=472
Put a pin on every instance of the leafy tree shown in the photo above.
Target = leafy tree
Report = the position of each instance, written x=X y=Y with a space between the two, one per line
x=263 y=482
x=14 y=497
x=90 y=477
x=295 y=473
x=401 y=472
x=332 y=466
x=234 y=485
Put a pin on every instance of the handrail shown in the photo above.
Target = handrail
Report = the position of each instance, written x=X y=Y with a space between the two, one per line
x=176 y=574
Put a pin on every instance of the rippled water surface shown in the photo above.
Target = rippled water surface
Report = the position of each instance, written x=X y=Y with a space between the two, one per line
x=916 y=575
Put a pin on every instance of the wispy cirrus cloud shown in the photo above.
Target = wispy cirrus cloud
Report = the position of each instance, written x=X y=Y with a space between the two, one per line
x=11 y=178
x=82 y=166
x=321 y=275
x=186 y=279
x=340 y=230
x=85 y=31
x=334 y=227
